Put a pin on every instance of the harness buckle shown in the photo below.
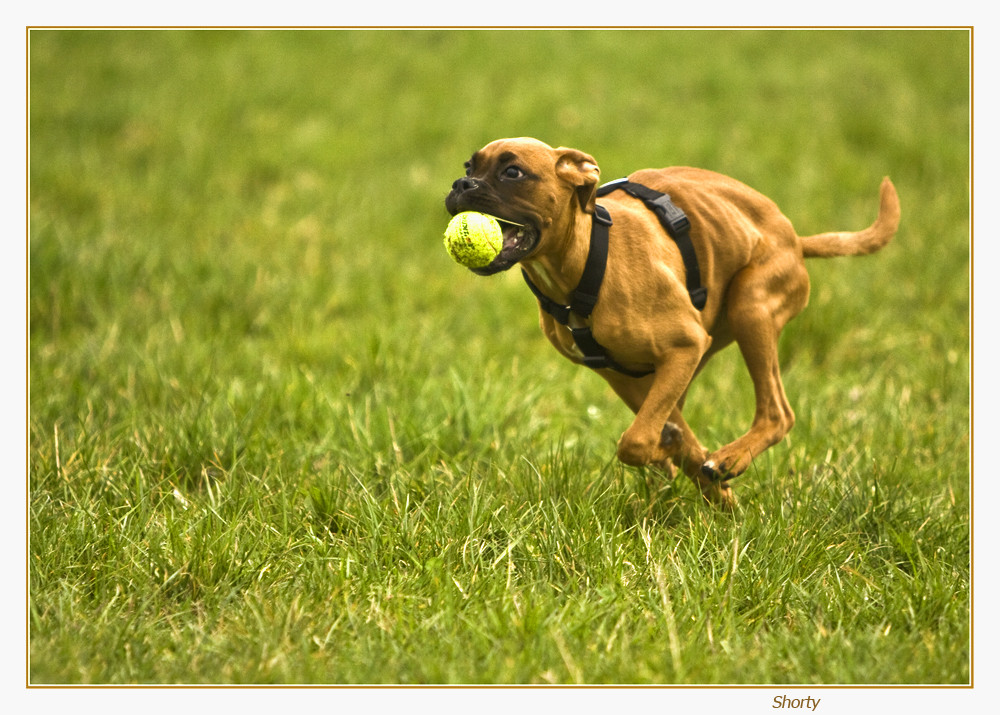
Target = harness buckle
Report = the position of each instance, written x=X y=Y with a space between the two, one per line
x=675 y=219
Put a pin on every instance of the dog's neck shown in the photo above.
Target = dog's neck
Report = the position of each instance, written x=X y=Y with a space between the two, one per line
x=557 y=273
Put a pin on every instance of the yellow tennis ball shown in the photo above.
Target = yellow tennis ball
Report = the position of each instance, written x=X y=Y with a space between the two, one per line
x=473 y=239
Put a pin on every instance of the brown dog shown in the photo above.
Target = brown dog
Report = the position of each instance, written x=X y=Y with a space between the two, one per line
x=750 y=261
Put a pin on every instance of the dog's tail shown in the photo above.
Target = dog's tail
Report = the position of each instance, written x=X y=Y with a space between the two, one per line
x=858 y=243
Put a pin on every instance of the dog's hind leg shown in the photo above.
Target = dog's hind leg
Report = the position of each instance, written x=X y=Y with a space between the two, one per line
x=762 y=299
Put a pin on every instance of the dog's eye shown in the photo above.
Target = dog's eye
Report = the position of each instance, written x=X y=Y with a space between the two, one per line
x=512 y=172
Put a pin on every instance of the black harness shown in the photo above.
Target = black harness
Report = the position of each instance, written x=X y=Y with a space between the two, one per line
x=583 y=299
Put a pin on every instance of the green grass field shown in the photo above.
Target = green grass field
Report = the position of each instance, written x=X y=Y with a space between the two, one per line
x=277 y=437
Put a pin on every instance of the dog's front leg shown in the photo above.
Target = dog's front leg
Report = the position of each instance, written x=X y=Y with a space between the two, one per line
x=633 y=391
x=653 y=438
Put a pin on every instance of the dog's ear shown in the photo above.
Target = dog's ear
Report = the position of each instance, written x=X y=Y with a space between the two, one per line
x=581 y=171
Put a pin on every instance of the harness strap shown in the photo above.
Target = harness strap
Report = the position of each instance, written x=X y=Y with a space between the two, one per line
x=556 y=310
x=584 y=298
x=677 y=225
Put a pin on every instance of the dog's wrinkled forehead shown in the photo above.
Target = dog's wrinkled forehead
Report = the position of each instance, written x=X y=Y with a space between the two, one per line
x=505 y=151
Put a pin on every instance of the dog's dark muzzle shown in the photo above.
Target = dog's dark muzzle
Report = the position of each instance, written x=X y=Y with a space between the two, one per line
x=461 y=196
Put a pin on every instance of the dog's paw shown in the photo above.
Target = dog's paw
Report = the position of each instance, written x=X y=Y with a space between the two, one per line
x=714 y=487
x=720 y=495
x=713 y=472
x=719 y=468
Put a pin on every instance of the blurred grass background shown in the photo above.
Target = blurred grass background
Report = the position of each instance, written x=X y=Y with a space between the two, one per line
x=250 y=357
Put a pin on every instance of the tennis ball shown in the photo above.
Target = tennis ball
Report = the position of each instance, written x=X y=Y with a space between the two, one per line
x=473 y=239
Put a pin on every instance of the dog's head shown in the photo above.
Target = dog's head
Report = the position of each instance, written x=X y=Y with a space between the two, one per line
x=536 y=192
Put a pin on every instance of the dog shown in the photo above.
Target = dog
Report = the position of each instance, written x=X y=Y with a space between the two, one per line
x=655 y=338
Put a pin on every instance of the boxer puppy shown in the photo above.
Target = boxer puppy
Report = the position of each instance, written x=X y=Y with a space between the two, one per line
x=750 y=259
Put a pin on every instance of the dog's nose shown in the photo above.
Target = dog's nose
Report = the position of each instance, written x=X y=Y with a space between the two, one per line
x=465 y=184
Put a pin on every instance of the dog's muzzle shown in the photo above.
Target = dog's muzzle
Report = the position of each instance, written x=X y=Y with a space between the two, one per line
x=520 y=234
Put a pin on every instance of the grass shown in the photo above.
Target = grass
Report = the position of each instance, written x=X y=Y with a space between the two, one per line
x=276 y=436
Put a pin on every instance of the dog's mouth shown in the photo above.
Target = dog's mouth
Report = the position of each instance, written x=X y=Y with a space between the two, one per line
x=519 y=241
x=521 y=232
